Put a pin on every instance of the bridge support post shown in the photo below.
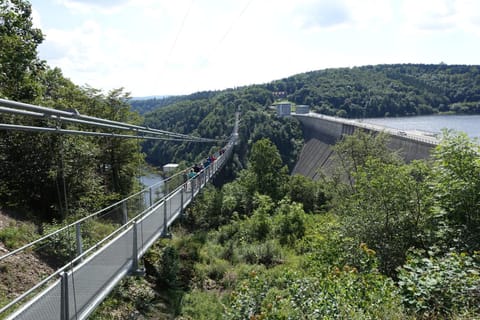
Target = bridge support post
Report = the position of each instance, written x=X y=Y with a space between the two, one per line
x=165 y=233
x=124 y=213
x=150 y=190
x=78 y=236
x=193 y=182
x=136 y=270
x=64 y=303
x=182 y=212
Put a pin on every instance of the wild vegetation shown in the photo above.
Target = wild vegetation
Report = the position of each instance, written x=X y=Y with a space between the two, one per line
x=380 y=239
x=390 y=244
x=50 y=176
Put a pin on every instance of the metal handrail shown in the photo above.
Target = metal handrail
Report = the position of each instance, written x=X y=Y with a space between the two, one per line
x=80 y=260
x=99 y=244
x=34 y=110
x=369 y=126
x=53 y=233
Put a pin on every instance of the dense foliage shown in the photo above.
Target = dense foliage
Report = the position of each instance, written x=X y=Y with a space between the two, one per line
x=380 y=239
x=214 y=118
x=51 y=175
x=388 y=244
x=386 y=90
x=369 y=91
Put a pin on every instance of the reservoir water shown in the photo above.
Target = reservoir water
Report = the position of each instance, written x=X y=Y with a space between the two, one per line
x=470 y=124
x=150 y=179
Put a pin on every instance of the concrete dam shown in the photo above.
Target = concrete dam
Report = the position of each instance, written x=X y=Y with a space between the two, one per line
x=322 y=132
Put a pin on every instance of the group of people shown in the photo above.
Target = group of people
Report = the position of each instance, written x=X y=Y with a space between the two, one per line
x=197 y=168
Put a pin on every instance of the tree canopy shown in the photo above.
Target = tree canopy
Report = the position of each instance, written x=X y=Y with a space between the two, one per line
x=48 y=175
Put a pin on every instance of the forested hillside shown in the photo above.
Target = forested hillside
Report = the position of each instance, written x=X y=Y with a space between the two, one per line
x=399 y=241
x=214 y=118
x=370 y=91
x=386 y=90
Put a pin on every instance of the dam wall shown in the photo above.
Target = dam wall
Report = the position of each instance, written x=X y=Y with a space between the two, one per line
x=322 y=132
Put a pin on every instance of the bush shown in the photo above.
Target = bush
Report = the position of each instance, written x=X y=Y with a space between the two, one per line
x=292 y=295
x=199 y=305
x=290 y=222
x=441 y=286
x=268 y=253
x=16 y=235
x=168 y=267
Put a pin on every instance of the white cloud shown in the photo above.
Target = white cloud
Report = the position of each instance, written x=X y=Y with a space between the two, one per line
x=89 y=6
x=181 y=46
x=323 y=14
x=36 y=19
x=442 y=15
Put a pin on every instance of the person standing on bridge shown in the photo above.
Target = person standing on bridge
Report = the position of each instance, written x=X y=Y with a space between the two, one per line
x=190 y=176
x=206 y=163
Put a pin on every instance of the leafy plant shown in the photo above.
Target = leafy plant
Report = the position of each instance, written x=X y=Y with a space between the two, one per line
x=17 y=234
x=441 y=285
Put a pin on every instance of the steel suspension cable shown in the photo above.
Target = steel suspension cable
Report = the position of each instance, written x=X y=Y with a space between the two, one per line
x=12 y=107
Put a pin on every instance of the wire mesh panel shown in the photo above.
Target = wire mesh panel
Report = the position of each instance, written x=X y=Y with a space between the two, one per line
x=90 y=281
x=46 y=306
x=174 y=206
x=151 y=227
x=92 y=277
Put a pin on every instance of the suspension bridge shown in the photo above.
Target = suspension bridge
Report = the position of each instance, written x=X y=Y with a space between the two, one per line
x=74 y=290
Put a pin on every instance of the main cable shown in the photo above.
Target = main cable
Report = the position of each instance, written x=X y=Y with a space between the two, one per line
x=24 y=109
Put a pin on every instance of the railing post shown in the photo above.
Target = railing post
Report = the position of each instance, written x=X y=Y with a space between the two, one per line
x=136 y=270
x=151 y=196
x=78 y=236
x=193 y=182
x=64 y=303
x=165 y=233
x=182 y=213
x=124 y=213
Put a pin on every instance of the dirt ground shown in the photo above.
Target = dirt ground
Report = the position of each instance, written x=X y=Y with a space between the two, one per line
x=19 y=272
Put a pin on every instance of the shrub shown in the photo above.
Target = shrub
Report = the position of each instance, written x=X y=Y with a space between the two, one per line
x=16 y=235
x=344 y=294
x=168 y=267
x=436 y=286
x=200 y=305
x=290 y=222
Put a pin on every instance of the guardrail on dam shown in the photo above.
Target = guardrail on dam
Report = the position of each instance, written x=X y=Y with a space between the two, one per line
x=322 y=132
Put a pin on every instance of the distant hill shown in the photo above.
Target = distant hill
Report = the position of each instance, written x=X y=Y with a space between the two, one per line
x=368 y=91
x=386 y=90
x=146 y=104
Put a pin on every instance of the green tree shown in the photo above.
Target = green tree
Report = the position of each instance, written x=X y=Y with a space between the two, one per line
x=354 y=150
x=120 y=158
x=19 y=65
x=457 y=184
x=390 y=209
x=266 y=164
x=305 y=191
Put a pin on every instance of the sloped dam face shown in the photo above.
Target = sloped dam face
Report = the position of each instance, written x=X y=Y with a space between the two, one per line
x=322 y=132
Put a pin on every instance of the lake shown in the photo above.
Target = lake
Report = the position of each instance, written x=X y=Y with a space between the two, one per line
x=150 y=179
x=470 y=124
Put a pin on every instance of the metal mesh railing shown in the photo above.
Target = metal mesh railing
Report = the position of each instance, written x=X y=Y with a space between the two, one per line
x=76 y=288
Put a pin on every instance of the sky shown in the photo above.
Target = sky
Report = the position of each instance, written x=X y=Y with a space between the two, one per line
x=175 y=47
